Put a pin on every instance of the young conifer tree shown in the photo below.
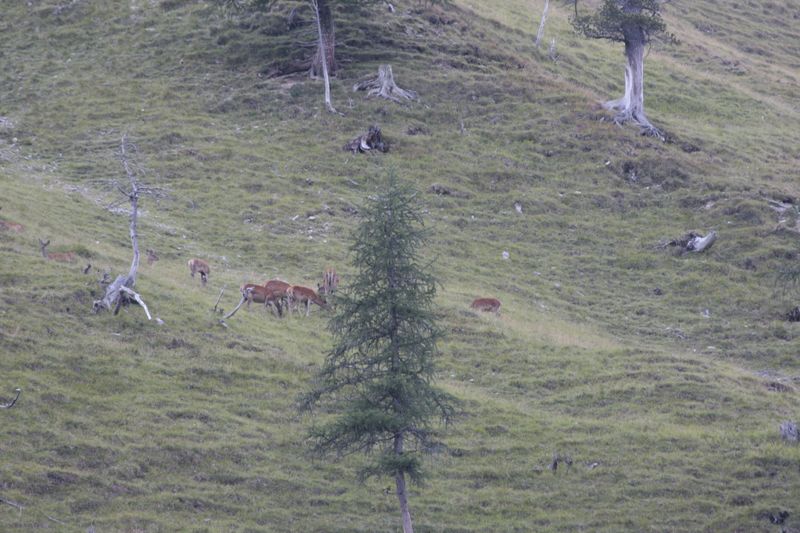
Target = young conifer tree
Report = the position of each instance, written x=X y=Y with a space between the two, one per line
x=377 y=379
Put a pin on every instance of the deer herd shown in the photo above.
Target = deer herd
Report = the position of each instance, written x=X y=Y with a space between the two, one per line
x=279 y=295
x=276 y=294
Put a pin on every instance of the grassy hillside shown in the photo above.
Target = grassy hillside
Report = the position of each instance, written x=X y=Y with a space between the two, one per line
x=667 y=401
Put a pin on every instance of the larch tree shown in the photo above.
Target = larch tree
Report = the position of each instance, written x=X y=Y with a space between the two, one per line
x=635 y=23
x=377 y=382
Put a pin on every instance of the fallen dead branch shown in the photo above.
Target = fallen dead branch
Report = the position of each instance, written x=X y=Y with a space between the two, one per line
x=10 y=405
x=245 y=295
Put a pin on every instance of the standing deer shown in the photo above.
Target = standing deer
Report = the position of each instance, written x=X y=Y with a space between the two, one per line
x=61 y=257
x=305 y=296
x=198 y=265
x=330 y=282
x=261 y=294
x=152 y=257
x=280 y=290
x=487 y=304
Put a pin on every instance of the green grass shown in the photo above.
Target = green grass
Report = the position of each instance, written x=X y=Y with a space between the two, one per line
x=130 y=426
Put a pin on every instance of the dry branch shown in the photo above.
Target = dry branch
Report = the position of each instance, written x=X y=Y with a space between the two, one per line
x=383 y=86
x=245 y=295
x=219 y=298
x=10 y=405
x=12 y=504
x=138 y=299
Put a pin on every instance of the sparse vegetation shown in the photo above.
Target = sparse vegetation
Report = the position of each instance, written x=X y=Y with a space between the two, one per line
x=664 y=378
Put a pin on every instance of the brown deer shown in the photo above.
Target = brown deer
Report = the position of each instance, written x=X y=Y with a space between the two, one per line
x=486 y=304
x=200 y=266
x=330 y=282
x=11 y=226
x=152 y=256
x=61 y=257
x=263 y=295
x=305 y=296
x=280 y=289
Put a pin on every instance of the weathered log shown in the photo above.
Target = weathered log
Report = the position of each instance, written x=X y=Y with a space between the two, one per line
x=372 y=140
x=700 y=244
x=384 y=86
x=692 y=242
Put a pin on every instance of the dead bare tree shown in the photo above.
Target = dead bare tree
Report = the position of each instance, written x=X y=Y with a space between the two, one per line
x=540 y=33
x=120 y=292
x=325 y=46
x=10 y=405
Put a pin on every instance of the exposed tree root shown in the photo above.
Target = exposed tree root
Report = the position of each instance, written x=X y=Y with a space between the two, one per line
x=384 y=86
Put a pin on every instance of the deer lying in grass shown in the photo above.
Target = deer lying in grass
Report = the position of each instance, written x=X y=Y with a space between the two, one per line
x=486 y=304
x=11 y=226
x=61 y=257
x=261 y=294
x=303 y=295
x=201 y=267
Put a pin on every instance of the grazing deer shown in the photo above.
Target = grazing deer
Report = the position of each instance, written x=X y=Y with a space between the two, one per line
x=11 y=226
x=263 y=295
x=280 y=289
x=198 y=265
x=330 y=282
x=487 y=304
x=152 y=257
x=61 y=257
x=306 y=296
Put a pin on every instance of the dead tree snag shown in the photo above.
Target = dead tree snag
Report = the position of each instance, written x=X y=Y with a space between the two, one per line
x=385 y=87
x=120 y=292
x=372 y=140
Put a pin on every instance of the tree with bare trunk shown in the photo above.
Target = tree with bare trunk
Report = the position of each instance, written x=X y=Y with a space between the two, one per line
x=323 y=61
x=120 y=292
x=635 y=23
x=378 y=377
x=542 y=22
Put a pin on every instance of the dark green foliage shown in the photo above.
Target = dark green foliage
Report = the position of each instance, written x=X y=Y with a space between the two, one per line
x=615 y=19
x=377 y=378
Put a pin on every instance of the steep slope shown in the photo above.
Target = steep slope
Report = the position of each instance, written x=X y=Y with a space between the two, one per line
x=668 y=404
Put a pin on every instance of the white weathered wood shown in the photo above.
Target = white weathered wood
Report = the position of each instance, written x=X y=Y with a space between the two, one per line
x=699 y=244
x=383 y=86
x=245 y=297
x=10 y=405
x=540 y=33
x=135 y=296
x=324 y=57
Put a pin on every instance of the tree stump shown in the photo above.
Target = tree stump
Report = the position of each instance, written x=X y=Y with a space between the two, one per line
x=385 y=87
x=372 y=140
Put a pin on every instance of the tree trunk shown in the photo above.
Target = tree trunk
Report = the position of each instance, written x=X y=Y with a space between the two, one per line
x=325 y=47
x=631 y=106
x=385 y=87
x=540 y=33
x=400 y=483
x=326 y=44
